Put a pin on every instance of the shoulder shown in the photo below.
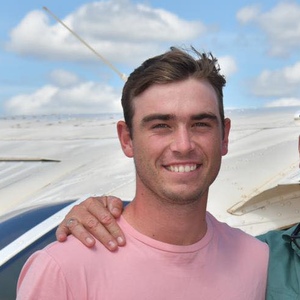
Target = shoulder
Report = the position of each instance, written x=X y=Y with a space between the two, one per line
x=235 y=236
x=65 y=257
x=72 y=250
x=243 y=252
x=54 y=267
x=40 y=276
x=273 y=237
x=61 y=256
x=279 y=242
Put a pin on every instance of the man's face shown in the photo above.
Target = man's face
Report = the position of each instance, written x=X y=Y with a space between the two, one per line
x=177 y=141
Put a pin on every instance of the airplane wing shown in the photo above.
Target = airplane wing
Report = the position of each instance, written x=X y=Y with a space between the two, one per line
x=286 y=191
x=48 y=160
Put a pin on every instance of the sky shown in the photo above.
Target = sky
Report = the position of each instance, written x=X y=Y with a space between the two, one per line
x=47 y=70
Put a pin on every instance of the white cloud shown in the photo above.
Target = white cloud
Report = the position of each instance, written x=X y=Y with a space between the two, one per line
x=63 y=78
x=77 y=98
x=278 y=83
x=284 y=102
x=228 y=65
x=67 y=94
x=281 y=26
x=119 y=30
x=248 y=13
x=30 y=103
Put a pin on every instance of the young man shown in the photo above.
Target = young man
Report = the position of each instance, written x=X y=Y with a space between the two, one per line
x=175 y=131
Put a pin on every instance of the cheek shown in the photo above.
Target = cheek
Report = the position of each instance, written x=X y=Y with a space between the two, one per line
x=147 y=152
x=151 y=144
x=215 y=150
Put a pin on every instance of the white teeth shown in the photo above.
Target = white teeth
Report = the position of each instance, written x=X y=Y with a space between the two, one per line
x=182 y=168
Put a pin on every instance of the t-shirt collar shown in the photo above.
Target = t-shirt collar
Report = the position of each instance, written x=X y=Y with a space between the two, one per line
x=286 y=236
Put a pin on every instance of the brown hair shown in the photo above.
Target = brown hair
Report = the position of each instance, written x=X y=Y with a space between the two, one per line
x=174 y=65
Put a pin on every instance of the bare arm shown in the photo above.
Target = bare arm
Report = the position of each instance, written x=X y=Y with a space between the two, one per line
x=94 y=217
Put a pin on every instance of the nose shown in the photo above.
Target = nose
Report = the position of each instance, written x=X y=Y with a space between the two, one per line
x=182 y=141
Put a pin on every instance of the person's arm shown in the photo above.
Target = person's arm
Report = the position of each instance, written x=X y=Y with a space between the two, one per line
x=94 y=218
x=42 y=278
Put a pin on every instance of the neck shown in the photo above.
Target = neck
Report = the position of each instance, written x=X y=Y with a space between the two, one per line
x=178 y=224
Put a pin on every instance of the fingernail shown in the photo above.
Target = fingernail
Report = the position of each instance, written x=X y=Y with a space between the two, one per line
x=112 y=244
x=115 y=210
x=89 y=240
x=120 y=240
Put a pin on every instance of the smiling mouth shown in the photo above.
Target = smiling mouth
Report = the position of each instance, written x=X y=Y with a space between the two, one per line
x=182 y=168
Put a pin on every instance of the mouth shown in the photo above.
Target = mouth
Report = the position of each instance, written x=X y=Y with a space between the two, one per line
x=186 y=168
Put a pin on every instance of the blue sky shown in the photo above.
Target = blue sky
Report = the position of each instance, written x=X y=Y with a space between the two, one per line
x=45 y=70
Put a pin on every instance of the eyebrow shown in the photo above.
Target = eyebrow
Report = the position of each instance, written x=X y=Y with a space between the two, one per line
x=202 y=116
x=157 y=117
x=168 y=117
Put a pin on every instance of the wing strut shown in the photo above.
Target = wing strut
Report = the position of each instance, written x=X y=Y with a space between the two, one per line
x=121 y=75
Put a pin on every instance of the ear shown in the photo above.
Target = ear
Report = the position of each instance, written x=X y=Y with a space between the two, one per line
x=227 y=124
x=125 y=138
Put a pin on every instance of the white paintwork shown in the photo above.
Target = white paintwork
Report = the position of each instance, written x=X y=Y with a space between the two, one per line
x=263 y=150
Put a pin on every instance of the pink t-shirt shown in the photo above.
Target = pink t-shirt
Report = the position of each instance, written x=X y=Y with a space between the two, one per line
x=225 y=264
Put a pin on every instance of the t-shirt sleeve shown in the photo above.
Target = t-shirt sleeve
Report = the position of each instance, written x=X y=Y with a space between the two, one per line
x=42 y=278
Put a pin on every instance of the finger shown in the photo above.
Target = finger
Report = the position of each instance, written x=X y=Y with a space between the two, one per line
x=114 y=205
x=62 y=232
x=106 y=229
x=102 y=233
x=92 y=217
x=71 y=225
x=78 y=230
x=104 y=226
x=63 y=229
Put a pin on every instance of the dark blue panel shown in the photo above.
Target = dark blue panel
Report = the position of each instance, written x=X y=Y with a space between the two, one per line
x=14 y=227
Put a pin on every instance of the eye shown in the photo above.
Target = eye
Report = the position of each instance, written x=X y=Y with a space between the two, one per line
x=201 y=124
x=161 y=125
